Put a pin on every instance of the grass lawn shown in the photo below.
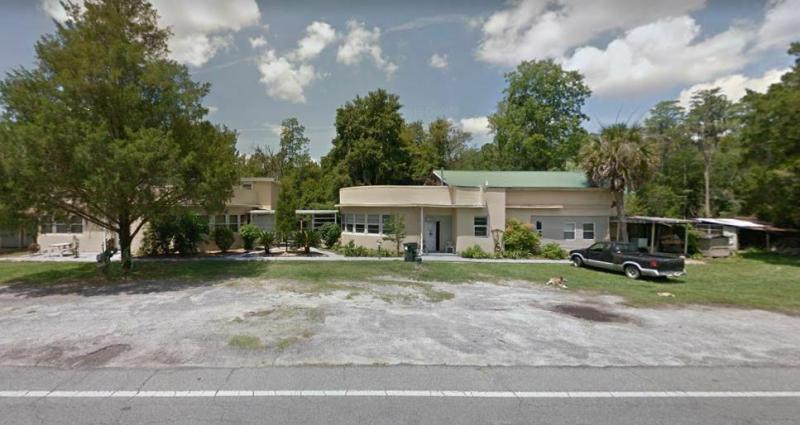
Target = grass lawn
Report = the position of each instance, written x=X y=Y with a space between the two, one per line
x=752 y=280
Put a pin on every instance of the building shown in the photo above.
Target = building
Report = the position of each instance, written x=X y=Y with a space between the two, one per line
x=466 y=208
x=253 y=201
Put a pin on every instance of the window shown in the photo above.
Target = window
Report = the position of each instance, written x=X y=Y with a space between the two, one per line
x=73 y=224
x=569 y=230
x=538 y=227
x=349 y=222
x=385 y=219
x=233 y=223
x=588 y=230
x=360 y=225
x=220 y=220
x=247 y=186
x=480 y=225
x=598 y=247
x=373 y=223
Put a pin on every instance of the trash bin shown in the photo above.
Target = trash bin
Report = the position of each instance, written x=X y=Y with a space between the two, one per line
x=410 y=250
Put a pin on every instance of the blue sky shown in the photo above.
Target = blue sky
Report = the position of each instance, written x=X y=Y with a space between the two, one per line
x=270 y=60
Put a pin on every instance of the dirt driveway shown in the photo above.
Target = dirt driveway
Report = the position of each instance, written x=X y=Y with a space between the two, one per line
x=256 y=322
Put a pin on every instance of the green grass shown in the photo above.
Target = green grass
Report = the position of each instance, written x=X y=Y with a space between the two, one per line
x=247 y=342
x=752 y=280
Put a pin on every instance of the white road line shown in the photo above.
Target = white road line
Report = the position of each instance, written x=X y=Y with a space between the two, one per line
x=398 y=393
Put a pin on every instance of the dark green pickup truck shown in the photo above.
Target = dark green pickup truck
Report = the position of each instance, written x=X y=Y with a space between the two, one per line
x=625 y=257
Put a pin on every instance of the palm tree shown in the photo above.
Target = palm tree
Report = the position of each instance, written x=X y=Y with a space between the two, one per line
x=619 y=159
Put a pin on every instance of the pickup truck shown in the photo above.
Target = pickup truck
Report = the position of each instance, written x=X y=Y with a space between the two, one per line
x=625 y=257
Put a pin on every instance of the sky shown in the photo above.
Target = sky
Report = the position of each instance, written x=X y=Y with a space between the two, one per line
x=270 y=60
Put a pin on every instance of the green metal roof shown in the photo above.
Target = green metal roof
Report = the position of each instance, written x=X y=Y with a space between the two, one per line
x=515 y=179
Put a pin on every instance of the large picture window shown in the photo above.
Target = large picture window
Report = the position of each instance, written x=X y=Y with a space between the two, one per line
x=480 y=226
x=373 y=224
x=588 y=231
x=360 y=224
x=349 y=223
x=569 y=230
x=72 y=224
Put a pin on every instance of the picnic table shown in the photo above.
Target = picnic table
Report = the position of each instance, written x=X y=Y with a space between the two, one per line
x=61 y=249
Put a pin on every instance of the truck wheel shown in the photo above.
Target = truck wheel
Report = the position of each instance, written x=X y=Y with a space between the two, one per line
x=576 y=261
x=632 y=272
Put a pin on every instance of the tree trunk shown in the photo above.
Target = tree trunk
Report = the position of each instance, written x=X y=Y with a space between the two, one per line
x=707 y=183
x=622 y=227
x=125 y=240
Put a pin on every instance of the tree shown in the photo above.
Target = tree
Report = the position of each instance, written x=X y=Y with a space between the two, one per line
x=771 y=143
x=708 y=121
x=395 y=231
x=107 y=128
x=261 y=163
x=619 y=159
x=368 y=148
x=293 y=145
x=440 y=147
x=537 y=125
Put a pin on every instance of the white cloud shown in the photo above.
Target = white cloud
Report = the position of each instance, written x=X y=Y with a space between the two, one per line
x=438 y=61
x=276 y=129
x=780 y=24
x=200 y=28
x=212 y=109
x=734 y=86
x=536 y=29
x=360 y=42
x=660 y=54
x=284 y=79
x=318 y=36
x=258 y=42
x=477 y=126
x=427 y=21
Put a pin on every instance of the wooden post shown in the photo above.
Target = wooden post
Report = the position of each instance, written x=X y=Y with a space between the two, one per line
x=686 y=240
x=653 y=237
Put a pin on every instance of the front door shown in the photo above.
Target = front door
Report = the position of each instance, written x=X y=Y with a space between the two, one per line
x=431 y=236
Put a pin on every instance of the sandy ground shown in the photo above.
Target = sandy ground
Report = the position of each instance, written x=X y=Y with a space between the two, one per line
x=247 y=322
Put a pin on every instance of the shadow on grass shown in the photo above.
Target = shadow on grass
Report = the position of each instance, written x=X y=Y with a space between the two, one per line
x=772 y=258
x=146 y=277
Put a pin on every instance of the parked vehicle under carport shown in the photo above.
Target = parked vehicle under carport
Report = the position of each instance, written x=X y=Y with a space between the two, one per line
x=627 y=258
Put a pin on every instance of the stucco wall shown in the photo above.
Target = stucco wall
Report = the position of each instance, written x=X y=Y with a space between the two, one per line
x=410 y=218
x=91 y=240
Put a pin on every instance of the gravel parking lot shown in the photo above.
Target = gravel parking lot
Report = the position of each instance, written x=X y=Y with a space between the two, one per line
x=258 y=322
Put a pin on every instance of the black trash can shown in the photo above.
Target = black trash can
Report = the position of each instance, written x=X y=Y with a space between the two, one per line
x=410 y=250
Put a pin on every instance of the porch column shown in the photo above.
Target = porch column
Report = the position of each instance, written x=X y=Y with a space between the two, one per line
x=421 y=228
x=653 y=237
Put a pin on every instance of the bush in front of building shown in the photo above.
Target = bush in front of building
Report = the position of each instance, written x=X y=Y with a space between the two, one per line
x=250 y=233
x=519 y=240
x=307 y=239
x=475 y=251
x=267 y=239
x=353 y=250
x=330 y=233
x=553 y=251
x=180 y=233
x=223 y=237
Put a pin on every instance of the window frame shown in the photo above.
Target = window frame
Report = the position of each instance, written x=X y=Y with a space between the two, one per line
x=362 y=223
x=564 y=231
x=584 y=232
x=484 y=226
x=376 y=225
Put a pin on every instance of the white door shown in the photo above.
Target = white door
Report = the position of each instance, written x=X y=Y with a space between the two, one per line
x=430 y=236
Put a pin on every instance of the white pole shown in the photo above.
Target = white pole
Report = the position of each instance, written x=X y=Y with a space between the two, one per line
x=421 y=228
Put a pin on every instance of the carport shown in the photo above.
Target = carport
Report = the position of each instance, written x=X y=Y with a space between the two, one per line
x=659 y=234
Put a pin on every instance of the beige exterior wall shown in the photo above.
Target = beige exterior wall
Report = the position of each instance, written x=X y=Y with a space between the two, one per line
x=554 y=208
x=91 y=240
x=263 y=194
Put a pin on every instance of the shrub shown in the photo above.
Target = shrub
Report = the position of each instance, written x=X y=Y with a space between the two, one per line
x=189 y=232
x=223 y=237
x=475 y=251
x=307 y=239
x=553 y=251
x=173 y=233
x=395 y=231
x=249 y=233
x=520 y=238
x=330 y=233
x=353 y=250
x=515 y=254
x=267 y=239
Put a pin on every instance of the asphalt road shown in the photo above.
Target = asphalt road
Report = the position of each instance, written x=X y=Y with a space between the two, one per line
x=401 y=394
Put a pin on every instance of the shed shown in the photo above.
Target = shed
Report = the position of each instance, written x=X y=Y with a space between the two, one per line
x=659 y=234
